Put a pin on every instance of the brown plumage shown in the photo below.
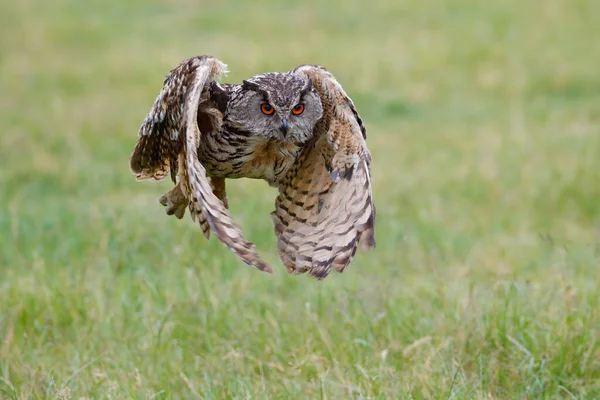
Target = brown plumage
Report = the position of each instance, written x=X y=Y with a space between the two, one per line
x=299 y=131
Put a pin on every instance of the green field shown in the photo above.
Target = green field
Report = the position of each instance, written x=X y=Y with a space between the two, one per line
x=484 y=125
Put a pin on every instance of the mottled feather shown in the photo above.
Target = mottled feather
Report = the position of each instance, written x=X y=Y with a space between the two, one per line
x=201 y=192
x=168 y=141
x=325 y=206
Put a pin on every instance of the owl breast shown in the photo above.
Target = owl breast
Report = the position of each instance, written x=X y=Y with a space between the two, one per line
x=231 y=154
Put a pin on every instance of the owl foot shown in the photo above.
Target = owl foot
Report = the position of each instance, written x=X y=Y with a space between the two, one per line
x=175 y=202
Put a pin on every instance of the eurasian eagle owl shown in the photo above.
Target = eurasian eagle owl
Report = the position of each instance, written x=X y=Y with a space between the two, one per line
x=297 y=130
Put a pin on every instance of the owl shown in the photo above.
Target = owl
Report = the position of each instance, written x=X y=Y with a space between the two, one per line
x=298 y=131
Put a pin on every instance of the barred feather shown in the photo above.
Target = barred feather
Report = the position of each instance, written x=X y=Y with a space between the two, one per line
x=325 y=206
x=201 y=193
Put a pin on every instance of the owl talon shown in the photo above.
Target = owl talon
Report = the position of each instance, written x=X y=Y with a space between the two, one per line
x=176 y=209
x=163 y=200
x=174 y=202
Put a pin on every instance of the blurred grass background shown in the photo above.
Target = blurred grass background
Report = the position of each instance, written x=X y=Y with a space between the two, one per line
x=484 y=124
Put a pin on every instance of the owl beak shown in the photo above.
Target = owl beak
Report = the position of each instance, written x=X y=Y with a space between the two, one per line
x=284 y=127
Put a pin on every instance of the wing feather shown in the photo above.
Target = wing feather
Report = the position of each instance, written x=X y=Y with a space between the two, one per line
x=325 y=205
x=168 y=142
x=202 y=199
x=159 y=142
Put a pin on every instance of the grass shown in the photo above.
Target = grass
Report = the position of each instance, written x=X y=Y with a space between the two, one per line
x=484 y=127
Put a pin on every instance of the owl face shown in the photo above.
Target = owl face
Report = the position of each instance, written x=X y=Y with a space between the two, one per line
x=278 y=106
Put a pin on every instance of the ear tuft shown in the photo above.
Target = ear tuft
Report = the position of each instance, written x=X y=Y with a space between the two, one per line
x=247 y=85
x=307 y=87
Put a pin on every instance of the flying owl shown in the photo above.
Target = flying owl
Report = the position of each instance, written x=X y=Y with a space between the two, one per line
x=298 y=130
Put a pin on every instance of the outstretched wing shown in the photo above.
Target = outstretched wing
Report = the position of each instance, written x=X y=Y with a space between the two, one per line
x=159 y=140
x=201 y=195
x=169 y=139
x=325 y=206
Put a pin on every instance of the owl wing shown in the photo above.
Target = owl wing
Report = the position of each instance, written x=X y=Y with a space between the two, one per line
x=169 y=137
x=325 y=206
x=159 y=140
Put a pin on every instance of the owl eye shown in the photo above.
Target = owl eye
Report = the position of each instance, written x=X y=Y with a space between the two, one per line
x=298 y=109
x=267 y=109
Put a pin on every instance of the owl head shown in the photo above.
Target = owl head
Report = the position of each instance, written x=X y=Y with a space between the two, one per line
x=279 y=106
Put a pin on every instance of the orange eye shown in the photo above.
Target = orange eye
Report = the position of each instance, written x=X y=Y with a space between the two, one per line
x=267 y=109
x=298 y=109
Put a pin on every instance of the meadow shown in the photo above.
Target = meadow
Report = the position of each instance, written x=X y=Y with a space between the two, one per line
x=483 y=119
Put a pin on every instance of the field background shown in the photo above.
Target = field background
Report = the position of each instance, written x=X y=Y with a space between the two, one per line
x=484 y=124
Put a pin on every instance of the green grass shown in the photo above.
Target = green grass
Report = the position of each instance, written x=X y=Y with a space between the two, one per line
x=484 y=125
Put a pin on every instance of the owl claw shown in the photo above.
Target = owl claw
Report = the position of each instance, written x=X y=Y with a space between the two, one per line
x=175 y=202
x=175 y=209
